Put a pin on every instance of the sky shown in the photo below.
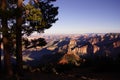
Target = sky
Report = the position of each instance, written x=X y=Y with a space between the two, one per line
x=86 y=16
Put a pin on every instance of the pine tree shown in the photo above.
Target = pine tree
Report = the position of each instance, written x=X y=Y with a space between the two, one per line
x=14 y=15
x=7 y=63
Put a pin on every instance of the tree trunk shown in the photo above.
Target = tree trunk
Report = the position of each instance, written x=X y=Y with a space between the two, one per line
x=7 y=63
x=0 y=52
x=19 y=38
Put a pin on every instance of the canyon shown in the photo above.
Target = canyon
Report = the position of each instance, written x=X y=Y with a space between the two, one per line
x=81 y=46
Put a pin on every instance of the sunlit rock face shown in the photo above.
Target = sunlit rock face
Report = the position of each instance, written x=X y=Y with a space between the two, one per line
x=52 y=48
x=94 y=40
x=69 y=58
x=95 y=49
x=116 y=44
x=63 y=60
x=86 y=48
x=71 y=54
x=83 y=50
x=102 y=38
x=72 y=43
x=63 y=49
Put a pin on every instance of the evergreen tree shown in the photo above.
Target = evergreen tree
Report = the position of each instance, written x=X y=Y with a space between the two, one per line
x=19 y=36
x=37 y=14
x=7 y=63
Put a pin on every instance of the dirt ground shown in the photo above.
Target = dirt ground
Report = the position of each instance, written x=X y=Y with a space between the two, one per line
x=74 y=74
x=87 y=73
